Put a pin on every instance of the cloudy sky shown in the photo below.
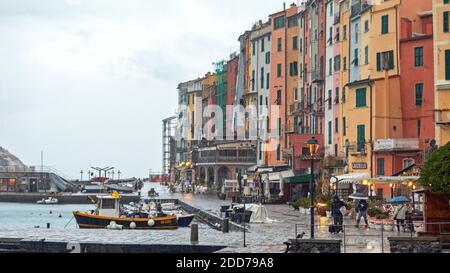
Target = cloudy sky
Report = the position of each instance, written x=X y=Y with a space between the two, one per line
x=89 y=81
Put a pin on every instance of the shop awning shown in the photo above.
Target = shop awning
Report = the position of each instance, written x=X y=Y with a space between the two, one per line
x=351 y=178
x=395 y=178
x=298 y=179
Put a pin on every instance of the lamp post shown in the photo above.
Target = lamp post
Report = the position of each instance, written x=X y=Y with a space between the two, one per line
x=335 y=182
x=392 y=190
x=313 y=146
x=81 y=173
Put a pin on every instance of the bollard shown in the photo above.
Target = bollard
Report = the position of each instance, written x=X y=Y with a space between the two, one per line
x=48 y=225
x=194 y=233
x=226 y=225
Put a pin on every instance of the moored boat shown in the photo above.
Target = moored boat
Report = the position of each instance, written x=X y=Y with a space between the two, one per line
x=108 y=211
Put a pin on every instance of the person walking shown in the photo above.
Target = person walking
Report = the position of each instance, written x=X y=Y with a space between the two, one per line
x=362 y=213
x=400 y=216
x=336 y=212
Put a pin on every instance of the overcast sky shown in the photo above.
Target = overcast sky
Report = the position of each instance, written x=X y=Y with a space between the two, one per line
x=89 y=81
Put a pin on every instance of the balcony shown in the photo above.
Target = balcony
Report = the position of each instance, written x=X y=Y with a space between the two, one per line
x=401 y=144
x=356 y=148
x=316 y=76
x=443 y=117
x=337 y=18
x=335 y=162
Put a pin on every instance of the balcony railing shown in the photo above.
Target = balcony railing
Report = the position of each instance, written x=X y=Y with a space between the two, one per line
x=396 y=144
x=316 y=76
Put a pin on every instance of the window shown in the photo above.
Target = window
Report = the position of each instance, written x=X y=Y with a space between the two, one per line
x=268 y=81
x=279 y=126
x=361 y=97
x=279 y=70
x=254 y=48
x=280 y=44
x=356 y=32
x=260 y=100
x=380 y=166
x=445 y=22
x=355 y=60
x=361 y=138
x=366 y=55
x=262 y=77
x=336 y=125
x=336 y=100
x=384 y=24
x=260 y=150
x=345 y=32
x=330 y=66
x=330 y=37
x=331 y=8
x=279 y=22
x=419 y=125
x=446 y=1
x=295 y=93
x=268 y=58
x=329 y=99
x=344 y=126
x=345 y=63
x=419 y=94
x=418 y=56
x=385 y=60
x=408 y=162
x=294 y=43
x=293 y=69
x=337 y=63
x=343 y=95
x=330 y=126
x=278 y=152
x=366 y=26
x=301 y=71
x=253 y=80
x=447 y=65
x=278 y=102
x=262 y=45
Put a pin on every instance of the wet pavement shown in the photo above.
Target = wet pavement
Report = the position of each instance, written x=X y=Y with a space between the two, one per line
x=260 y=238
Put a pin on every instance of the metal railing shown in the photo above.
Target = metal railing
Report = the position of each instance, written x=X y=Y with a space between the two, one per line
x=379 y=233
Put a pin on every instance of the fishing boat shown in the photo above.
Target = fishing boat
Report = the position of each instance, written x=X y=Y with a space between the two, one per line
x=108 y=212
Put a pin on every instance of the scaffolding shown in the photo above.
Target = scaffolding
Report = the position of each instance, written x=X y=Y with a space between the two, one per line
x=221 y=93
x=168 y=143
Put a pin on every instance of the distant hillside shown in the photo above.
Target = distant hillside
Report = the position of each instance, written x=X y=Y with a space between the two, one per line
x=9 y=160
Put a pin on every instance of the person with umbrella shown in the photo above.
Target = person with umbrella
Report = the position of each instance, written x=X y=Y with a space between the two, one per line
x=336 y=212
x=400 y=215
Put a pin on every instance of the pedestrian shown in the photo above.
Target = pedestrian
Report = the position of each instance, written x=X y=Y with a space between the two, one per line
x=362 y=213
x=400 y=216
x=336 y=212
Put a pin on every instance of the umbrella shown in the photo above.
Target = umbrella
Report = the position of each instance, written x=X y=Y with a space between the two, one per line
x=358 y=196
x=400 y=199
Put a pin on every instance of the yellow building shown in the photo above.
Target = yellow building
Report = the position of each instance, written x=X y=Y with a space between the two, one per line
x=441 y=31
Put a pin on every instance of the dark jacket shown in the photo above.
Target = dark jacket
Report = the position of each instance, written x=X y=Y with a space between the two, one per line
x=363 y=205
x=336 y=208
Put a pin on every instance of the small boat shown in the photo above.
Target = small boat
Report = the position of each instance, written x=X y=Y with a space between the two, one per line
x=108 y=213
x=49 y=201
x=185 y=220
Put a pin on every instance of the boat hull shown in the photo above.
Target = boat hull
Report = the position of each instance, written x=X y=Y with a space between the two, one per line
x=185 y=220
x=90 y=221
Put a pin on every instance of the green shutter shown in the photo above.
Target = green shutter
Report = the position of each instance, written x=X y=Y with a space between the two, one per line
x=446 y=21
x=378 y=61
x=361 y=97
x=419 y=94
x=361 y=138
x=330 y=126
x=384 y=24
x=344 y=126
x=447 y=65
x=391 y=59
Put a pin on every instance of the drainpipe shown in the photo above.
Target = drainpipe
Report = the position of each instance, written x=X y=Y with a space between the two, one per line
x=371 y=130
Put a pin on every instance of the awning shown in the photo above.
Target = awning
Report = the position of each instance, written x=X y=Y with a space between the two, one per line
x=252 y=169
x=298 y=179
x=396 y=178
x=351 y=178
x=276 y=176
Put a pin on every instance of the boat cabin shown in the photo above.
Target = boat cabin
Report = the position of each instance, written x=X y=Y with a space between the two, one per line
x=108 y=206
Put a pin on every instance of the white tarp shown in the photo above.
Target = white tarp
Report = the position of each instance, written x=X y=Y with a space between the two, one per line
x=259 y=214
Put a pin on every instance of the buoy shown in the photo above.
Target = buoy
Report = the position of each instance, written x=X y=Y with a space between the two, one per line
x=60 y=216
x=132 y=225
x=151 y=223
x=51 y=212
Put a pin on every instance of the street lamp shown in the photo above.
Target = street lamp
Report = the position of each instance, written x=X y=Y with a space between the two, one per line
x=335 y=182
x=313 y=146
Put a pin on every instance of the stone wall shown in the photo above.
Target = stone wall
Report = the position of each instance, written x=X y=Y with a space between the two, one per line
x=53 y=246
x=62 y=198
x=415 y=245
x=313 y=246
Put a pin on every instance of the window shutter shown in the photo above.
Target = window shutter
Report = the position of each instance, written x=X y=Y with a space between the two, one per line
x=447 y=65
x=391 y=59
x=378 y=61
